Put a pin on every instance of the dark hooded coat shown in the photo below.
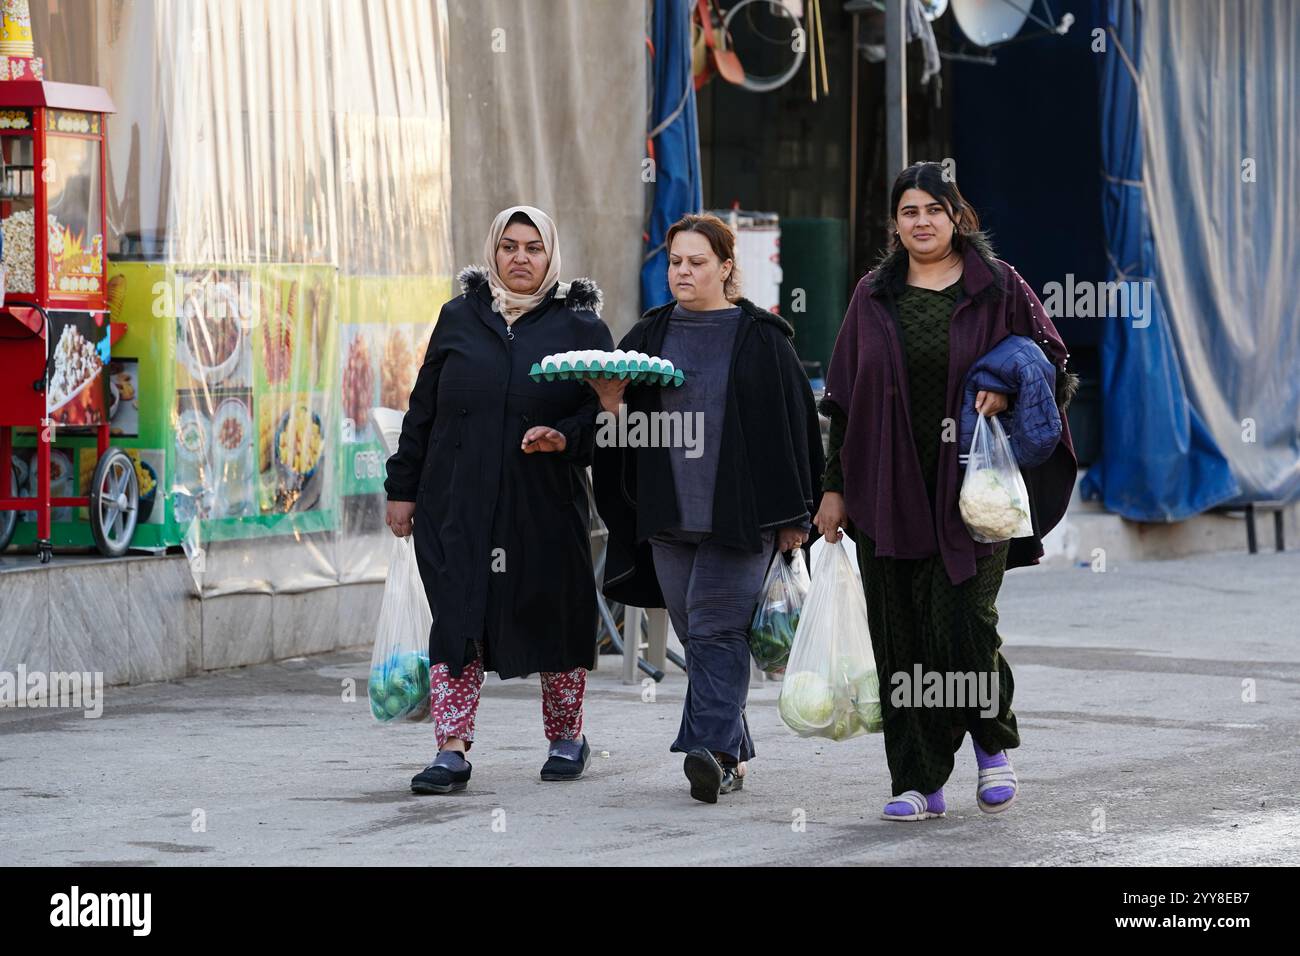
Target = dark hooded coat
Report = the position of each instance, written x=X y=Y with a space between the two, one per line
x=770 y=459
x=502 y=538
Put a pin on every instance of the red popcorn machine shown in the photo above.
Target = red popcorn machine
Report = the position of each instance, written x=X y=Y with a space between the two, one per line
x=55 y=335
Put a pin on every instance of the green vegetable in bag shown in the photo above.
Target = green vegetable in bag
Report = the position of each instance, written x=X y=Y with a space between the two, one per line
x=776 y=619
x=807 y=701
x=866 y=702
x=845 y=725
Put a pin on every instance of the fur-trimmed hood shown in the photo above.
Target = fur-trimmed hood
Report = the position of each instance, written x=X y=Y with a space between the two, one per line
x=581 y=294
x=890 y=272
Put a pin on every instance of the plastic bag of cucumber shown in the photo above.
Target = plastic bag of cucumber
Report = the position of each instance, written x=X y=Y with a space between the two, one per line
x=771 y=633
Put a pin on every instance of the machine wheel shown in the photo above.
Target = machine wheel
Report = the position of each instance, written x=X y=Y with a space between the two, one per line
x=114 y=503
x=9 y=519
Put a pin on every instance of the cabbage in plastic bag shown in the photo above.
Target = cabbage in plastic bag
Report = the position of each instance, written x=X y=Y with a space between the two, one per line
x=830 y=688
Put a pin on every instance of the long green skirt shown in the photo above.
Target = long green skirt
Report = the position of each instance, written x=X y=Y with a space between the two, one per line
x=918 y=617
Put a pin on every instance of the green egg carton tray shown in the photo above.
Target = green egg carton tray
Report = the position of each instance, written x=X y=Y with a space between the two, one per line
x=646 y=372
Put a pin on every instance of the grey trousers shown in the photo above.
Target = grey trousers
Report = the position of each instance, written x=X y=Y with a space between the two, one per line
x=711 y=592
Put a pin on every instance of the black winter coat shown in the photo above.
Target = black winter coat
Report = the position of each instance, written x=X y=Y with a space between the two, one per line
x=770 y=460
x=502 y=538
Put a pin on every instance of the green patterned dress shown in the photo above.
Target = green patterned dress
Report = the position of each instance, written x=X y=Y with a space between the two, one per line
x=916 y=615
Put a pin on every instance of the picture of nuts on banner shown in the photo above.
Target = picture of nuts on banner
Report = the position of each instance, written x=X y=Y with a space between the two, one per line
x=358 y=382
x=398 y=370
x=231 y=429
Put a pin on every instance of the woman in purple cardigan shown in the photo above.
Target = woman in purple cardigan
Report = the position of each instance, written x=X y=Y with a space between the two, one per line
x=936 y=302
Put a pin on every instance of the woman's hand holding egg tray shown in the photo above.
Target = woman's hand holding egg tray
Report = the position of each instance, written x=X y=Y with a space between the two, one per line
x=598 y=363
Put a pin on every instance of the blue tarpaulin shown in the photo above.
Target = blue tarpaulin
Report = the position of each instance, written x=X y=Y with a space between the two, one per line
x=1159 y=461
x=675 y=138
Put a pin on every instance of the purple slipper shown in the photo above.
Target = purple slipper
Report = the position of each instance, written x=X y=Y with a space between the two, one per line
x=997 y=787
x=914 y=805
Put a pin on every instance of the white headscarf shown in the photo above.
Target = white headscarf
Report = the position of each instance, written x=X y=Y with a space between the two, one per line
x=511 y=304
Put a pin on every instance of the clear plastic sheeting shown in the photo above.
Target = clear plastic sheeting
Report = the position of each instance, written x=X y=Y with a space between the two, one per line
x=280 y=246
x=1221 y=176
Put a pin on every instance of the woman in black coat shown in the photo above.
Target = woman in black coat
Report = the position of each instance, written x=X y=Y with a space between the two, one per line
x=489 y=471
x=694 y=527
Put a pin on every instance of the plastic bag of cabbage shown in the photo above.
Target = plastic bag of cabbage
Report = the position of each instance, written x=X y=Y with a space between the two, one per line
x=994 y=501
x=399 y=663
x=830 y=687
x=771 y=633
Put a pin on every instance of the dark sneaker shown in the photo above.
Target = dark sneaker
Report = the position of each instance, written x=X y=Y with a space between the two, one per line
x=448 y=773
x=566 y=760
x=705 y=774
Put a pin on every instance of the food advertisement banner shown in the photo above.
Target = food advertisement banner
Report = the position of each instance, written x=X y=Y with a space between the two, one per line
x=382 y=346
x=243 y=394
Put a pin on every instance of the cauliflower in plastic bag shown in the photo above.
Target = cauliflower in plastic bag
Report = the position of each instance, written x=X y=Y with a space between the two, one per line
x=989 y=507
x=994 y=501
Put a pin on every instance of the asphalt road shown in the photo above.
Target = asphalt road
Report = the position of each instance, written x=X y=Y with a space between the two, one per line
x=1138 y=748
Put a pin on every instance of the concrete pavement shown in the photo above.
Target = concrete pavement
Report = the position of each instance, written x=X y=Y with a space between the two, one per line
x=1138 y=748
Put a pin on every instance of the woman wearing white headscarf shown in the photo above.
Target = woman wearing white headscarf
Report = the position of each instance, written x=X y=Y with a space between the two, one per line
x=489 y=476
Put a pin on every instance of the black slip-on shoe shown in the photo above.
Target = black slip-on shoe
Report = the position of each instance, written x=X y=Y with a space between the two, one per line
x=731 y=781
x=437 y=779
x=559 y=767
x=705 y=774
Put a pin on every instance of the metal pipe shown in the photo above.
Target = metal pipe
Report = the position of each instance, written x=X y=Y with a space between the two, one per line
x=895 y=89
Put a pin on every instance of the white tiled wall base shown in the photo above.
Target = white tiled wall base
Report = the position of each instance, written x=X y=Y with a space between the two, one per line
x=138 y=620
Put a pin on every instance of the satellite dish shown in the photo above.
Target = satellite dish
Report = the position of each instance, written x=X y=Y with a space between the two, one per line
x=933 y=9
x=987 y=22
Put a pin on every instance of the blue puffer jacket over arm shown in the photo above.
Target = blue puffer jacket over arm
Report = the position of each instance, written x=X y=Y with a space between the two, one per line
x=1016 y=366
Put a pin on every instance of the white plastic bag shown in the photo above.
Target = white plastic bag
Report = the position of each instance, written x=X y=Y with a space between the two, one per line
x=831 y=688
x=993 y=501
x=399 y=663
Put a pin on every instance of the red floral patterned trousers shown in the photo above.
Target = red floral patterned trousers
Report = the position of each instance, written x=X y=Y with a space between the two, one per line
x=454 y=702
